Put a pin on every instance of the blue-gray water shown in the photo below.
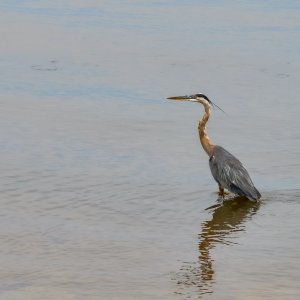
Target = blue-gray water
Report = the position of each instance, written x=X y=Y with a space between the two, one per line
x=104 y=184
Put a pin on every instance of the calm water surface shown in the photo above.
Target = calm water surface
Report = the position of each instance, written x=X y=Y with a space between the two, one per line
x=105 y=190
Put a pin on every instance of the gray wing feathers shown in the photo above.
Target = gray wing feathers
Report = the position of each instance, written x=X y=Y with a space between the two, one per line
x=229 y=172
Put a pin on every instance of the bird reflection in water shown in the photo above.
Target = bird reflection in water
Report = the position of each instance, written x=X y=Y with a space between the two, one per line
x=228 y=217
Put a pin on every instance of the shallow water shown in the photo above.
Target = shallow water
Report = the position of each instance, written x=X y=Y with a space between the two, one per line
x=105 y=190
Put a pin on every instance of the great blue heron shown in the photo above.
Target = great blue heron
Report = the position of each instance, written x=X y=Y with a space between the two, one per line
x=226 y=169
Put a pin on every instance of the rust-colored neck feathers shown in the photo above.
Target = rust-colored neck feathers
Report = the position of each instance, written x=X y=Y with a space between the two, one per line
x=207 y=144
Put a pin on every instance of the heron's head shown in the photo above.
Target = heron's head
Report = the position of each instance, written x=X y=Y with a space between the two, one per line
x=200 y=98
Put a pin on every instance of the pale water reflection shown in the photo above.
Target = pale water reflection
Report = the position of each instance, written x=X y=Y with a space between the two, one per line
x=228 y=218
x=227 y=236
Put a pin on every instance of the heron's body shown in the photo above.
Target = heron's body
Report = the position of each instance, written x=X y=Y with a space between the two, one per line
x=229 y=173
x=226 y=169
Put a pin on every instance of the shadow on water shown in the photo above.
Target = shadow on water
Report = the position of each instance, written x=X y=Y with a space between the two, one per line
x=227 y=218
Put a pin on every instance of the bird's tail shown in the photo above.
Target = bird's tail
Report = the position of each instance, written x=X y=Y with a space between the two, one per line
x=250 y=192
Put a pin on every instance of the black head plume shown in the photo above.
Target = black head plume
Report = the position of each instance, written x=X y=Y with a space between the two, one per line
x=203 y=96
x=213 y=104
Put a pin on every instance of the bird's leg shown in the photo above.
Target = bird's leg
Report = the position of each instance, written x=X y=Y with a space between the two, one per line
x=221 y=191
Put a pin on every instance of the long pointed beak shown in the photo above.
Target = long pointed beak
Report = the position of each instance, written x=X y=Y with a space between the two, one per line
x=183 y=98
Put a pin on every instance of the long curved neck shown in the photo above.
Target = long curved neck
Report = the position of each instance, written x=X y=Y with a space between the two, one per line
x=206 y=143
